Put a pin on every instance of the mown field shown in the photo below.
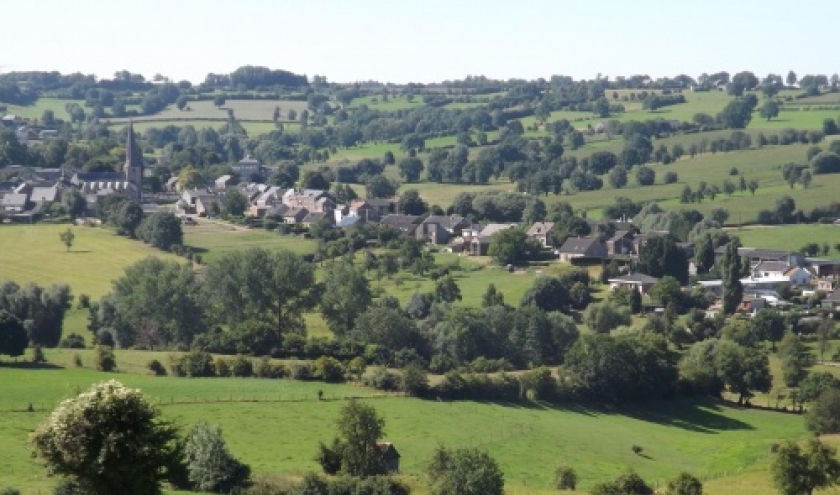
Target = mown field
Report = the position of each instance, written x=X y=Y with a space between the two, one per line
x=285 y=422
x=34 y=253
x=212 y=238
x=791 y=237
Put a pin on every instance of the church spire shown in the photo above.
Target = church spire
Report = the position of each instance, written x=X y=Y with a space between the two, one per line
x=133 y=162
x=129 y=148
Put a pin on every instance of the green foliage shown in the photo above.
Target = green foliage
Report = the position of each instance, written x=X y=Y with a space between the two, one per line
x=667 y=291
x=826 y=162
x=109 y=439
x=798 y=471
x=446 y=290
x=660 y=256
x=512 y=247
x=684 y=484
x=714 y=365
x=464 y=472
x=156 y=368
x=733 y=290
x=414 y=380
x=13 y=339
x=328 y=369
x=628 y=483
x=565 y=478
x=104 y=358
x=329 y=458
x=346 y=296
x=795 y=358
x=823 y=416
x=211 y=466
x=815 y=384
x=606 y=316
x=161 y=230
x=67 y=238
x=547 y=294
x=360 y=428
x=234 y=203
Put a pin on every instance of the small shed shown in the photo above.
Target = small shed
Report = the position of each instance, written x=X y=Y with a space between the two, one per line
x=390 y=457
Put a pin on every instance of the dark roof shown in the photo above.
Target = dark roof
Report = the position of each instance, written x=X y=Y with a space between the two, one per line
x=405 y=223
x=541 y=228
x=637 y=278
x=619 y=234
x=314 y=216
x=445 y=221
x=100 y=176
x=581 y=245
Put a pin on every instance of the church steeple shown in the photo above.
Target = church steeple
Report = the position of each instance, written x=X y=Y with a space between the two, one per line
x=133 y=162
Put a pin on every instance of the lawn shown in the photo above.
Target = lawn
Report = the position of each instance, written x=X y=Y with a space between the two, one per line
x=36 y=109
x=706 y=438
x=791 y=237
x=33 y=253
x=212 y=238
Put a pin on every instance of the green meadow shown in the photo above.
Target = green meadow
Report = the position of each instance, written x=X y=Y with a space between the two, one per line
x=791 y=237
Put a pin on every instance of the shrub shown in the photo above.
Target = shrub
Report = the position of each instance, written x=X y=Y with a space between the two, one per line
x=241 y=367
x=67 y=487
x=329 y=457
x=175 y=366
x=414 y=381
x=38 y=354
x=265 y=369
x=382 y=379
x=210 y=465
x=77 y=360
x=302 y=371
x=84 y=301
x=156 y=368
x=72 y=341
x=637 y=449
x=565 y=478
x=222 y=367
x=685 y=484
x=104 y=359
x=329 y=369
x=9 y=491
x=197 y=364
x=671 y=177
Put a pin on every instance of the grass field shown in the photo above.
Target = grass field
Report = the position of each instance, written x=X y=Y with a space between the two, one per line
x=529 y=440
x=212 y=238
x=790 y=237
x=33 y=253
x=36 y=110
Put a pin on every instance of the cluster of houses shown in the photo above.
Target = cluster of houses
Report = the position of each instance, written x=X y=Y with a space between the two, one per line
x=25 y=131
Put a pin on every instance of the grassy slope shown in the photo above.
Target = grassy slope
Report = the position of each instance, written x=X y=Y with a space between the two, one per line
x=33 y=253
x=214 y=238
x=790 y=236
x=528 y=440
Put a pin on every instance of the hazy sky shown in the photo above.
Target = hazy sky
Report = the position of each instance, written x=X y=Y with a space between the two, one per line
x=421 y=40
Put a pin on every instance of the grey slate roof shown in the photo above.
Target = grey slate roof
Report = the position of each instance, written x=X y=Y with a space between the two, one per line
x=635 y=278
x=583 y=246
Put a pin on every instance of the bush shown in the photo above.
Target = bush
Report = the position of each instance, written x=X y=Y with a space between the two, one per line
x=302 y=371
x=328 y=369
x=222 y=367
x=197 y=364
x=77 y=360
x=156 y=368
x=210 y=465
x=329 y=457
x=414 y=381
x=72 y=341
x=38 y=354
x=382 y=379
x=637 y=449
x=9 y=491
x=265 y=369
x=241 y=367
x=565 y=478
x=67 y=487
x=104 y=359
x=84 y=301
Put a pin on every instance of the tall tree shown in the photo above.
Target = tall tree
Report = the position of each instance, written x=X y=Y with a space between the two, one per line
x=733 y=290
x=660 y=256
x=798 y=471
x=346 y=295
x=257 y=284
x=13 y=339
x=360 y=428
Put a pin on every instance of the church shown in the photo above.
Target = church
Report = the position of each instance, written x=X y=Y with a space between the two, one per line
x=129 y=182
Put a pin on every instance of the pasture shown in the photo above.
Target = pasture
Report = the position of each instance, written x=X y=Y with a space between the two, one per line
x=791 y=237
x=286 y=421
x=34 y=253
x=212 y=238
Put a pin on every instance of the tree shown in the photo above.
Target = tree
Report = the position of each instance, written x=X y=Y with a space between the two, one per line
x=161 y=230
x=210 y=465
x=806 y=178
x=752 y=186
x=770 y=109
x=446 y=290
x=824 y=332
x=190 y=178
x=826 y=162
x=770 y=325
x=645 y=176
x=156 y=302
x=110 y=439
x=346 y=295
x=798 y=471
x=411 y=168
x=360 y=428
x=618 y=177
x=387 y=327
x=606 y=316
x=13 y=339
x=813 y=386
x=791 y=78
x=492 y=297
x=234 y=203
x=660 y=256
x=547 y=294
x=464 y=472
x=823 y=416
x=565 y=478
x=733 y=290
x=219 y=101
x=181 y=102
x=73 y=202
x=704 y=255
x=315 y=180
x=380 y=187
x=628 y=483
x=410 y=203
x=127 y=218
x=67 y=237
x=258 y=284
x=667 y=291
x=511 y=247
x=795 y=358
x=41 y=309
x=736 y=114
x=684 y=484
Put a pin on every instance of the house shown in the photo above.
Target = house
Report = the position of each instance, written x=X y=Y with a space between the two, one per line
x=44 y=194
x=832 y=301
x=406 y=224
x=577 y=247
x=314 y=217
x=390 y=457
x=480 y=242
x=542 y=232
x=295 y=215
x=224 y=182
x=247 y=167
x=48 y=134
x=825 y=285
x=440 y=229
x=14 y=202
x=382 y=206
x=349 y=221
x=311 y=199
x=756 y=256
x=770 y=269
x=621 y=243
x=640 y=240
x=171 y=184
x=634 y=281
x=799 y=276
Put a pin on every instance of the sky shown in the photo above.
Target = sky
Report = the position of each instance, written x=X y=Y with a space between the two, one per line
x=421 y=40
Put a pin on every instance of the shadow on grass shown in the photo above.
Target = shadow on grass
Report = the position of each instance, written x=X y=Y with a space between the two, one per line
x=27 y=365
x=695 y=415
x=78 y=251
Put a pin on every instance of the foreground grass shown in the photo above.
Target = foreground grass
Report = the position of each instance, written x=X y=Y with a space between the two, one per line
x=33 y=253
x=278 y=438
